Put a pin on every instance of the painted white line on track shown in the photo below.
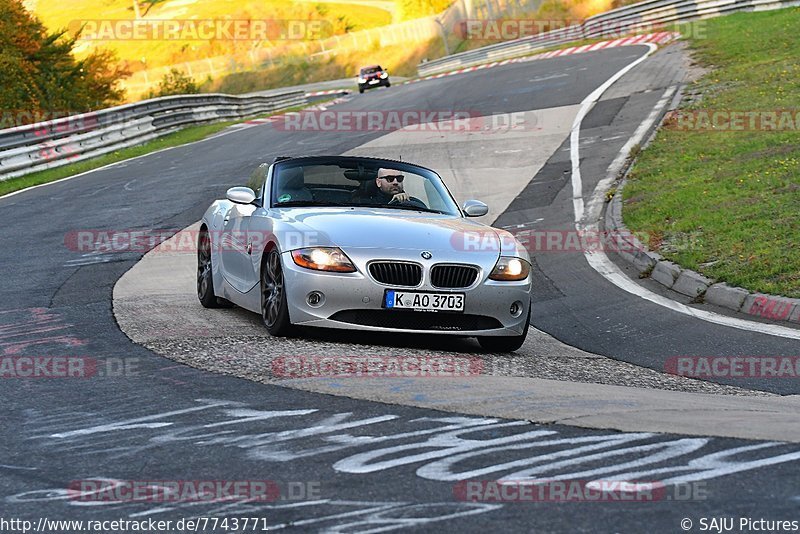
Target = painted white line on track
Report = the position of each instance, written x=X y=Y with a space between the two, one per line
x=575 y=134
x=597 y=200
x=598 y=259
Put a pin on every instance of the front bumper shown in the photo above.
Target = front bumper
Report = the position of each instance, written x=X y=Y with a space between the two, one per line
x=354 y=301
x=380 y=83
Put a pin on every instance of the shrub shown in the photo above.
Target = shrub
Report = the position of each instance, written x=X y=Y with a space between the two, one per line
x=175 y=82
x=40 y=75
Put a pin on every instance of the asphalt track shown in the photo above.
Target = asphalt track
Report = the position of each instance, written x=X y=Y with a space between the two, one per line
x=394 y=467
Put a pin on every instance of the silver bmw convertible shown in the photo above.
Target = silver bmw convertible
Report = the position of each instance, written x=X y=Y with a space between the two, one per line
x=363 y=244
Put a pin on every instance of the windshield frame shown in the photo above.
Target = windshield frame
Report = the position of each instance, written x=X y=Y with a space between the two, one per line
x=353 y=162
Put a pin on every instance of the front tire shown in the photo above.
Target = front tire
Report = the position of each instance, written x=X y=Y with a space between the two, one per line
x=205 y=277
x=274 y=306
x=505 y=343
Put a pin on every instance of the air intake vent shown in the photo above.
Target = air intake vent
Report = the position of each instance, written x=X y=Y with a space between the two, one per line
x=409 y=320
x=453 y=276
x=396 y=274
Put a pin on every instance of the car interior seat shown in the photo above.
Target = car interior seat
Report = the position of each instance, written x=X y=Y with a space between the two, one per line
x=367 y=188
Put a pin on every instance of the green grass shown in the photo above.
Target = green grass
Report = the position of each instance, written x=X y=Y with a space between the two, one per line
x=726 y=203
x=182 y=137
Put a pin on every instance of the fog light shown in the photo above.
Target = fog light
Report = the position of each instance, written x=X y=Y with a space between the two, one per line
x=516 y=309
x=315 y=299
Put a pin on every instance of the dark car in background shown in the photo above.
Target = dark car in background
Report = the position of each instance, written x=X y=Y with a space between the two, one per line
x=372 y=76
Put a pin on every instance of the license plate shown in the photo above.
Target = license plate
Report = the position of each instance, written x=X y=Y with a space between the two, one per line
x=414 y=300
x=374 y=81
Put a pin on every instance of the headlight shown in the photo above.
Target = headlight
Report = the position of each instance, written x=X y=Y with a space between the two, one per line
x=362 y=80
x=323 y=259
x=384 y=75
x=510 y=270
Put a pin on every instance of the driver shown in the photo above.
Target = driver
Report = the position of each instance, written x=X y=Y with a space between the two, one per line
x=390 y=186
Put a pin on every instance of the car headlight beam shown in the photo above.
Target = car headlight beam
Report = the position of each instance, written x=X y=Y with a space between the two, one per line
x=323 y=259
x=510 y=269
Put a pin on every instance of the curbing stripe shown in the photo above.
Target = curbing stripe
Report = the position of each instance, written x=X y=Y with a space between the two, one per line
x=600 y=262
x=660 y=37
x=331 y=92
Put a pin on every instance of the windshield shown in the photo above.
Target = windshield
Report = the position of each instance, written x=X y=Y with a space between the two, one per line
x=371 y=70
x=384 y=184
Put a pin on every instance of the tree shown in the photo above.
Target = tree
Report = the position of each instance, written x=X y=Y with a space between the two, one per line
x=99 y=74
x=175 y=82
x=42 y=77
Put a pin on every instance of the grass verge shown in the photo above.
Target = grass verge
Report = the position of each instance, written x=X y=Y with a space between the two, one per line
x=181 y=137
x=725 y=201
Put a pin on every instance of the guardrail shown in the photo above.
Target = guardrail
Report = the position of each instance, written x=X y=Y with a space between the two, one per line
x=44 y=145
x=649 y=15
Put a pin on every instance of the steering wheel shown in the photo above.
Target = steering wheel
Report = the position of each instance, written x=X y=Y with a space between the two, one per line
x=414 y=201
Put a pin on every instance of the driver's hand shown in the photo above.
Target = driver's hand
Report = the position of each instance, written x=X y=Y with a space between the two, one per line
x=401 y=197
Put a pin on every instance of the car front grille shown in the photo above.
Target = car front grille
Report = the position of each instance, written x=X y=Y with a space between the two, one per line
x=453 y=276
x=396 y=273
x=410 y=320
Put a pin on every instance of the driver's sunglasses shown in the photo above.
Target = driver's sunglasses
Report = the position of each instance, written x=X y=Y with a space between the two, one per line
x=393 y=177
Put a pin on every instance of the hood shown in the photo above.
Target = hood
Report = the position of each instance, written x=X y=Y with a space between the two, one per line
x=379 y=228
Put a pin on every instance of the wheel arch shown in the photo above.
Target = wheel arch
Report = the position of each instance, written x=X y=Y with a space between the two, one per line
x=271 y=244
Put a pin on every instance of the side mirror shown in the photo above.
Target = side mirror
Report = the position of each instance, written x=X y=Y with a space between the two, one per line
x=475 y=208
x=241 y=195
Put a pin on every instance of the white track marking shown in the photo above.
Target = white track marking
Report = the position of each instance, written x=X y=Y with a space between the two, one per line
x=16 y=467
x=596 y=202
x=575 y=135
x=597 y=259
